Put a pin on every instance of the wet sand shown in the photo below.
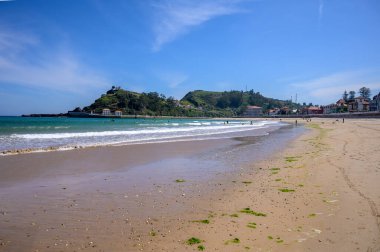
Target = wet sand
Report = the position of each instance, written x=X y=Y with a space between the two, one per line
x=105 y=197
x=127 y=198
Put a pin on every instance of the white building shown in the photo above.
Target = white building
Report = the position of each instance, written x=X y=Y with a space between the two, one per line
x=106 y=112
x=253 y=111
x=358 y=104
x=118 y=113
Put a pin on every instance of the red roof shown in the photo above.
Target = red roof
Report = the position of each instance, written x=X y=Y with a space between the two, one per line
x=341 y=101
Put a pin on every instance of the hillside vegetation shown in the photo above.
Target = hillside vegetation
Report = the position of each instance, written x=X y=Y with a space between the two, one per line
x=234 y=101
x=195 y=103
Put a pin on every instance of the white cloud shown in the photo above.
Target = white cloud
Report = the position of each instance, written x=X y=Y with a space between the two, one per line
x=176 y=18
x=320 y=10
x=24 y=61
x=329 y=88
x=172 y=79
x=339 y=78
x=15 y=42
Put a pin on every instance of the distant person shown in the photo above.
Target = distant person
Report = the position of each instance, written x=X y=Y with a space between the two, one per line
x=343 y=120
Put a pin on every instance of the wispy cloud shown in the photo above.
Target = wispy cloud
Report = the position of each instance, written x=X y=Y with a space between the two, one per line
x=320 y=10
x=172 y=79
x=24 y=61
x=329 y=88
x=176 y=18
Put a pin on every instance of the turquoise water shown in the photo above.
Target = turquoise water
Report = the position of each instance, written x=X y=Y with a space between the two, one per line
x=17 y=133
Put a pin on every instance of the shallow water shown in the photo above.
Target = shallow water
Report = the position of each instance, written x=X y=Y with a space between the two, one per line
x=20 y=133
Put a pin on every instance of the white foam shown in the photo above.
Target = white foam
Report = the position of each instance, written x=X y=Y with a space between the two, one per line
x=215 y=129
x=133 y=135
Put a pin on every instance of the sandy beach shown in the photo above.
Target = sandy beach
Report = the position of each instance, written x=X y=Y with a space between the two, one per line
x=296 y=190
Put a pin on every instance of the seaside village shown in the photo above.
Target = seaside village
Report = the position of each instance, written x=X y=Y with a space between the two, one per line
x=357 y=104
x=348 y=104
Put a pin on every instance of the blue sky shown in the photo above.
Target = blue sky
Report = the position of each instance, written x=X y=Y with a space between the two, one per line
x=57 y=55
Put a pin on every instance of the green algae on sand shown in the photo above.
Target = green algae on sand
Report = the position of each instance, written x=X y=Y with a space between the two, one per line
x=235 y=240
x=193 y=240
x=251 y=225
x=291 y=159
x=201 y=248
x=202 y=221
x=249 y=211
x=286 y=190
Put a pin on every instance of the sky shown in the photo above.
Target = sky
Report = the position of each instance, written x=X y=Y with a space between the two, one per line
x=58 y=55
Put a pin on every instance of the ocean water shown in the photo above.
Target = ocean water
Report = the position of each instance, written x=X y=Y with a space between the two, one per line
x=21 y=133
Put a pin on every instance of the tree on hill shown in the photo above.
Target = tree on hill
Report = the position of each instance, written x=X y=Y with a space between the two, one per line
x=351 y=95
x=345 y=96
x=233 y=101
x=365 y=92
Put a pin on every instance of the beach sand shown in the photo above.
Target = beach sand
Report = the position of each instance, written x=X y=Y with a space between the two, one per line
x=317 y=192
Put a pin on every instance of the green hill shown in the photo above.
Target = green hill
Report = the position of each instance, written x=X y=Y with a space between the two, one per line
x=233 y=101
x=195 y=103
x=132 y=103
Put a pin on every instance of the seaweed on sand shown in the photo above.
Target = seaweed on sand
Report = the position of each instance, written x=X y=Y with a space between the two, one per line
x=291 y=159
x=249 y=211
x=286 y=190
x=251 y=225
x=203 y=221
x=235 y=240
x=193 y=240
x=201 y=248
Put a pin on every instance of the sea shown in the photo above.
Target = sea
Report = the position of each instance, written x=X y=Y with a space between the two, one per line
x=61 y=133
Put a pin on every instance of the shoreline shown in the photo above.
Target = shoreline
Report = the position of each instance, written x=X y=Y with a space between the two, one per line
x=333 y=206
x=355 y=115
x=123 y=156
x=195 y=137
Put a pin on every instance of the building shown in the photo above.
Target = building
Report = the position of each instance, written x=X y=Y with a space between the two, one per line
x=312 y=110
x=374 y=104
x=284 y=111
x=273 y=112
x=253 y=111
x=118 y=113
x=331 y=108
x=106 y=112
x=341 y=105
x=358 y=104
